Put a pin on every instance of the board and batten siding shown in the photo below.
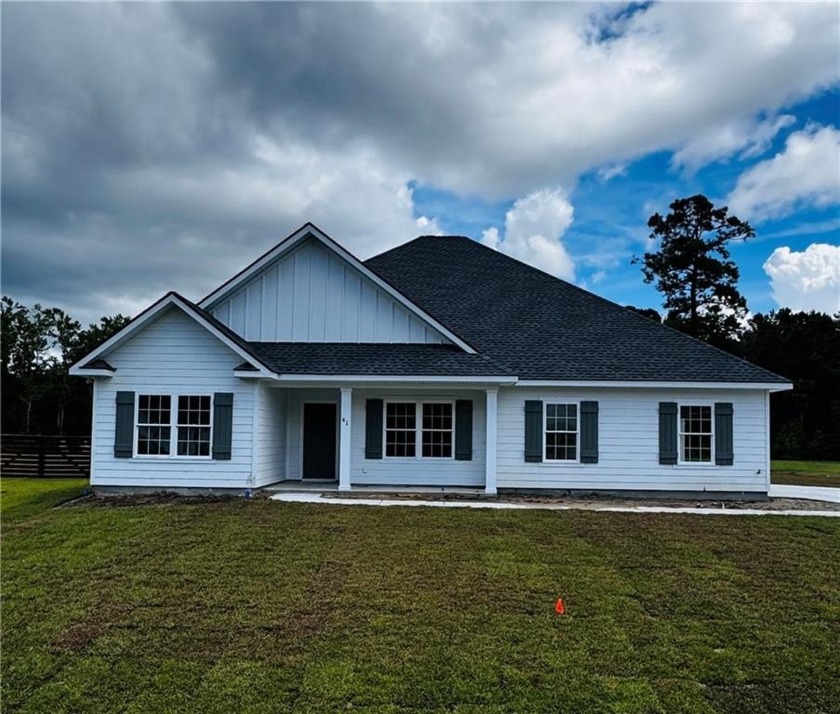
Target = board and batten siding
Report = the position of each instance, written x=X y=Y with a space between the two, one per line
x=628 y=449
x=416 y=471
x=173 y=355
x=313 y=295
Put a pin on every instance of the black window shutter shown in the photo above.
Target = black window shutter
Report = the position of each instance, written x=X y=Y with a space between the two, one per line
x=222 y=425
x=124 y=429
x=373 y=429
x=667 y=432
x=463 y=429
x=589 y=432
x=533 y=430
x=723 y=434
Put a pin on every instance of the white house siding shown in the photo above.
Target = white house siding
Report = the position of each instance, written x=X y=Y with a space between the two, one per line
x=416 y=472
x=629 y=443
x=313 y=295
x=173 y=355
x=270 y=435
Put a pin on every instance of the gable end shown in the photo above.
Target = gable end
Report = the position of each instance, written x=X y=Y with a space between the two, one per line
x=309 y=288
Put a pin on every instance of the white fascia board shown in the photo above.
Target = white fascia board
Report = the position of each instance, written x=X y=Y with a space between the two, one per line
x=311 y=230
x=147 y=316
x=770 y=386
x=76 y=371
x=376 y=379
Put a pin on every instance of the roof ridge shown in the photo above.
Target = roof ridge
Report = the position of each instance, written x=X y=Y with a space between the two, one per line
x=425 y=236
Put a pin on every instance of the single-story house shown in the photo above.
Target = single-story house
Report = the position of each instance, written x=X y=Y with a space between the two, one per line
x=439 y=363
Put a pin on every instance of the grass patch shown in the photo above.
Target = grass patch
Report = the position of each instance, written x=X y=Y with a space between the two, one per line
x=256 y=606
x=806 y=473
x=24 y=498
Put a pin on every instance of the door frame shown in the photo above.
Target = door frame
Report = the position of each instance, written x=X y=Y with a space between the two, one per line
x=337 y=436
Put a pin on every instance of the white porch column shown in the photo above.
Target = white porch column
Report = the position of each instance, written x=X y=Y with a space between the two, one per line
x=344 y=439
x=490 y=455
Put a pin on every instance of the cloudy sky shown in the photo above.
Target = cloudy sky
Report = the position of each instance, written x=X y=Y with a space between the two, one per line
x=148 y=147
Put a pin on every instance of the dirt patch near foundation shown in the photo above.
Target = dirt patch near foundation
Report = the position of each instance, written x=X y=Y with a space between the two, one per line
x=146 y=499
x=599 y=502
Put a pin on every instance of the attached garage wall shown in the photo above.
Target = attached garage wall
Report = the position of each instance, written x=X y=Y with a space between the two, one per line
x=629 y=443
x=173 y=355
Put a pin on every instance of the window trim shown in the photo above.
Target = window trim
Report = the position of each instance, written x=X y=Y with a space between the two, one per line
x=680 y=433
x=418 y=430
x=417 y=420
x=173 y=426
x=138 y=425
x=576 y=403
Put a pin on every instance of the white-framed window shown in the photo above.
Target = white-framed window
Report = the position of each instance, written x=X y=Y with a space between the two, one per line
x=561 y=431
x=189 y=425
x=419 y=429
x=154 y=419
x=194 y=419
x=696 y=433
x=438 y=430
x=400 y=429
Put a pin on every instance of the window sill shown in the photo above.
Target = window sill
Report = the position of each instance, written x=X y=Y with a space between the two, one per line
x=413 y=459
x=169 y=459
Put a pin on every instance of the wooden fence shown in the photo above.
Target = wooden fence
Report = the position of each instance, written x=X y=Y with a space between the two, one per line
x=44 y=456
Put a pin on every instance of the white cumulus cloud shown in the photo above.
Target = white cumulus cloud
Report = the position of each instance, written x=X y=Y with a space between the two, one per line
x=806 y=173
x=807 y=280
x=159 y=136
x=533 y=229
x=747 y=138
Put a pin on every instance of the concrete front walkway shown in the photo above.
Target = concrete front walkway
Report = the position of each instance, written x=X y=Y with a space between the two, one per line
x=815 y=493
x=318 y=498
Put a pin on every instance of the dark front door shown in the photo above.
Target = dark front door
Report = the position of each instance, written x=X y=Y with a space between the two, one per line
x=319 y=421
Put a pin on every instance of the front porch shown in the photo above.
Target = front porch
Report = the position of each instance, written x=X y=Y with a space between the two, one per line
x=329 y=487
x=409 y=436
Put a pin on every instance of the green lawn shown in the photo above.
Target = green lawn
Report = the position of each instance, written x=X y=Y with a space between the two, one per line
x=253 y=606
x=806 y=473
x=22 y=498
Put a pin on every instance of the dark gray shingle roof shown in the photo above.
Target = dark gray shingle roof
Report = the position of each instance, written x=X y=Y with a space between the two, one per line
x=371 y=359
x=539 y=327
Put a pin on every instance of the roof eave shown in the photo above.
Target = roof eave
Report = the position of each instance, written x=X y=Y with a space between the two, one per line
x=90 y=372
x=655 y=384
x=496 y=380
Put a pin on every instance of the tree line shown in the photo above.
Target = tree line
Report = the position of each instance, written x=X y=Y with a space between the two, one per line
x=39 y=345
x=692 y=268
